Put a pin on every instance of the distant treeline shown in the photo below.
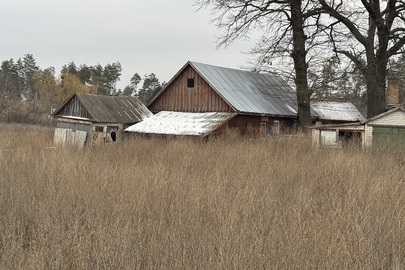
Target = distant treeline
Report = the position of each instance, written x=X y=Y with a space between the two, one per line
x=29 y=93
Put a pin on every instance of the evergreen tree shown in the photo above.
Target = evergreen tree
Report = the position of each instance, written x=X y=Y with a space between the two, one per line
x=70 y=68
x=111 y=76
x=96 y=75
x=131 y=89
x=9 y=81
x=150 y=87
x=29 y=68
x=84 y=74
x=50 y=71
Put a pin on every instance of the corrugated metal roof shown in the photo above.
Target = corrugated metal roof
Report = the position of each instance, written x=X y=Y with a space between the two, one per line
x=250 y=92
x=337 y=111
x=114 y=109
x=181 y=123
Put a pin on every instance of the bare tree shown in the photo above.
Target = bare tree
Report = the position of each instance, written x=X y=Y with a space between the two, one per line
x=284 y=25
x=369 y=33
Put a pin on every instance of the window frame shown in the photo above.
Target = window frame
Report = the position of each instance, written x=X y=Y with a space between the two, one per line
x=190 y=82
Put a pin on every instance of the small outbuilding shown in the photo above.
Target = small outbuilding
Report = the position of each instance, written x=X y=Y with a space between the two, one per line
x=386 y=128
x=96 y=119
x=380 y=130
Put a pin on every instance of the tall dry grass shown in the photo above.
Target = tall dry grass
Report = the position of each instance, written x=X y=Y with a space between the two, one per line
x=229 y=203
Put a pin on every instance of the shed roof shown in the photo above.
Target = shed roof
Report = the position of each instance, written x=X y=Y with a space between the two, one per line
x=109 y=109
x=181 y=123
x=337 y=111
x=397 y=108
x=247 y=92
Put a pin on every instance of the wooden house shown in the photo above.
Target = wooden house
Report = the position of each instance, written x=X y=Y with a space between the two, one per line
x=248 y=101
x=96 y=119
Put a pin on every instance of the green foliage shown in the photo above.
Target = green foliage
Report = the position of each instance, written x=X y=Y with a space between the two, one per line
x=151 y=86
x=135 y=80
x=130 y=89
x=103 y=78
x=111 y=75
x=84 y=74
x=69 y=68
x=9 y=81
x=28 y=93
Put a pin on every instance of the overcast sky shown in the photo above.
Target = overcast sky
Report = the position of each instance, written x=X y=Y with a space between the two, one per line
x=145 y=36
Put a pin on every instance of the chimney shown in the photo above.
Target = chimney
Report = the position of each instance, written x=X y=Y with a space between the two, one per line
x=392 y=92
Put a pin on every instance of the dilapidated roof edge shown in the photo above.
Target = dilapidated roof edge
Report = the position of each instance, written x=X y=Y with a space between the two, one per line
x=384 y=114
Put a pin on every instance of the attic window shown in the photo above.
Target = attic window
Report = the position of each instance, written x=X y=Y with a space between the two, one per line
x=190 y=82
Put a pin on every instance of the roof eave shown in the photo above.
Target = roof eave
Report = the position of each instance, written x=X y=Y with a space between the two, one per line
x=220 y=126
x=55 y=113
x=383 y=114
x=267 y=114
x=167 y=84
x=212 y=86
x=87 y=109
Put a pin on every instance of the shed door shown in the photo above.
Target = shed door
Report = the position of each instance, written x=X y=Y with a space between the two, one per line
x=386 y=136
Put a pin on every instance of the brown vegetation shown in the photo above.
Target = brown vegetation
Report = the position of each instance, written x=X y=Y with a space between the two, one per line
x=228 y=203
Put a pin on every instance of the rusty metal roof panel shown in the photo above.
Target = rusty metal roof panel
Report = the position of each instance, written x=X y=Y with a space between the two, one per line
x=337 y=111
x=250 y=92
x=114 y=109
x=181 y=123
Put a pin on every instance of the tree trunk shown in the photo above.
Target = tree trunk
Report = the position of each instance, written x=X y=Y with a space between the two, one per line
x=376 y=75
x=300 y=65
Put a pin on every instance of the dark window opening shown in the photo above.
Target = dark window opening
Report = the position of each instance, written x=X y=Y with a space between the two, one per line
x=350 y=138
x=190 y=82
x=99 y=129
x=113 y=136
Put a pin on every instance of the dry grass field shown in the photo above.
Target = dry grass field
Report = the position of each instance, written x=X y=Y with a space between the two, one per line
x=229 y=203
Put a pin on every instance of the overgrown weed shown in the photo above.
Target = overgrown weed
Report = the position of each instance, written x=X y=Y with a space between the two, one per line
x=225 y=203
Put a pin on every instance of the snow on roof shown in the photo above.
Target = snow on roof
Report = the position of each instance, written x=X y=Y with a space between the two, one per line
x=181 y=123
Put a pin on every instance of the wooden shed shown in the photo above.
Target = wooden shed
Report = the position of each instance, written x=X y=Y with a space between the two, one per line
x=96 y=119
x=257 y=102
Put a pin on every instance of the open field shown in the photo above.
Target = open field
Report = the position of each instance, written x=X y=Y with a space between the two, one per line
x=228 y=203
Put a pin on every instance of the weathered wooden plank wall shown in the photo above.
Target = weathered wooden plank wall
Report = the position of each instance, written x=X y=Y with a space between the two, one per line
x=200 y=98
x=75 y=108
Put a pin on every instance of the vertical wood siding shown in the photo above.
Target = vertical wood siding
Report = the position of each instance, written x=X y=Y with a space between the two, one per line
x=178 y=97
x=248 y=124
x=75 y=108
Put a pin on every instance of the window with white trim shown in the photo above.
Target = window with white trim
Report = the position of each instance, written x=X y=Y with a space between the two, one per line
x=276 y=126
